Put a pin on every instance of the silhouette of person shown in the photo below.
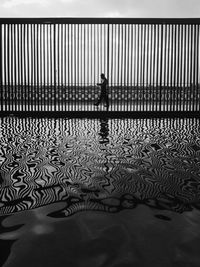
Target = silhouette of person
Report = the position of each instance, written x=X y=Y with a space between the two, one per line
x=104 y=92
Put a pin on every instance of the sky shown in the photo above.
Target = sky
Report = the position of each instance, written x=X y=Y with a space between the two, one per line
x=101 y=8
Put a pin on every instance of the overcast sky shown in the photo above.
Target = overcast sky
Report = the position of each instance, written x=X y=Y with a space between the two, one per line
x=100 y=8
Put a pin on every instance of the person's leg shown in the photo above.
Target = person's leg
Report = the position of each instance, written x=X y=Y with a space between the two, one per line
x=106 y=100
x=99 y=100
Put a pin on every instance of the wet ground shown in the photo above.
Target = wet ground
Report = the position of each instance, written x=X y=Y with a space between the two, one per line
x=99 y=192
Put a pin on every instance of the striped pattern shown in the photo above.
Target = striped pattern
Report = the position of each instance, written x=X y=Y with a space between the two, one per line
x=103 y=165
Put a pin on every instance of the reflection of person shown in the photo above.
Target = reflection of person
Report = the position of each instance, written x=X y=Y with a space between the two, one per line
x=104 y=92
x=104 y=131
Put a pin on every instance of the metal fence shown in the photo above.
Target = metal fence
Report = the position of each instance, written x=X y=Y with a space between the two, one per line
x=54 y=64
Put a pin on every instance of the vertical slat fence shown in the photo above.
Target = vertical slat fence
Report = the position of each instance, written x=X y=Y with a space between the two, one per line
x=152 y=65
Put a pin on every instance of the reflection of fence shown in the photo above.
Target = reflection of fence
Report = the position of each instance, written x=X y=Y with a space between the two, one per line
x=54 y=64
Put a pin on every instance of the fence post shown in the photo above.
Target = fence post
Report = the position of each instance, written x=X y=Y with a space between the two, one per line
x=1 y=87
x=108 y=54
x=55 y=71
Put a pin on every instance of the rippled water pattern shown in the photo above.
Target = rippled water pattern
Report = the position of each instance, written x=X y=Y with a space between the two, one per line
x=99 y=164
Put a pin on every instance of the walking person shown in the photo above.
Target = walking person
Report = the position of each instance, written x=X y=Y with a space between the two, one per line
x=104 y=92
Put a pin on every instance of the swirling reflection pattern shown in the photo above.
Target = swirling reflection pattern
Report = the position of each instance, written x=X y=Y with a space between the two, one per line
x=99 y=164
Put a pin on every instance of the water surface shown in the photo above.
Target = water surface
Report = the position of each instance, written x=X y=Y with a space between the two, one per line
x=99 y=192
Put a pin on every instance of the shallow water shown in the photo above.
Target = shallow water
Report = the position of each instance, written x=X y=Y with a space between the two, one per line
x=99 y=192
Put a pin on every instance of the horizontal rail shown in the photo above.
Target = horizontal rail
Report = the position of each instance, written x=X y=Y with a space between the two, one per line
x=72 y=20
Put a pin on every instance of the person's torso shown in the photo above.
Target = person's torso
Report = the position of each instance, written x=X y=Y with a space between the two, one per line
x=104 y=84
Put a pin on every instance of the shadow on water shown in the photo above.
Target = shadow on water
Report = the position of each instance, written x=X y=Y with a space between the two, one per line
x=104 y=165
x=5 y=245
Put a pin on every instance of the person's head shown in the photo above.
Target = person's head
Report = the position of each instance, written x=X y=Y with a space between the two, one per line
x=102 y=76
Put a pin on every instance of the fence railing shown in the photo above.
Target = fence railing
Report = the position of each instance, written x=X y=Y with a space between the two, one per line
x=54 y=64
